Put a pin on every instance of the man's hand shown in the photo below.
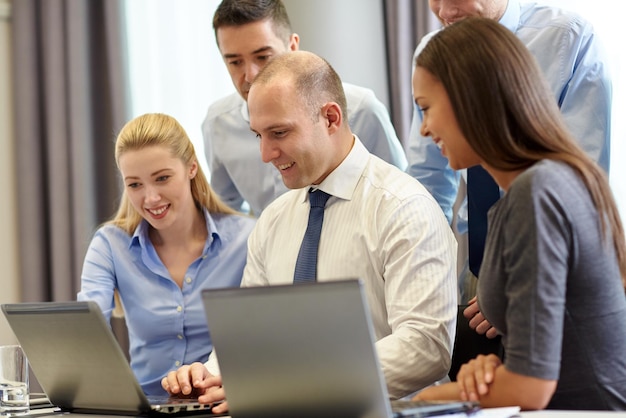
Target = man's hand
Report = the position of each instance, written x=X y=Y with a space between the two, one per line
x=477 y=321
x=195 y=380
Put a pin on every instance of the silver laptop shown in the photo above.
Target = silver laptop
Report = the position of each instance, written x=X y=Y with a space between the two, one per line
x=304 y=350
x=79 y=364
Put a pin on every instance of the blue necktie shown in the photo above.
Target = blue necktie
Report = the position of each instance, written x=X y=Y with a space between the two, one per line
x=482 y=193
x=306 y=265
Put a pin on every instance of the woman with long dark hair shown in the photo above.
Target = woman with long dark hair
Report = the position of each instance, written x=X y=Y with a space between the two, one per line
x=552 y=278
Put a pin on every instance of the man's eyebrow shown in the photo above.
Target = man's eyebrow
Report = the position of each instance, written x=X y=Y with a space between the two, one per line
x=256 y=51
x=262 y=49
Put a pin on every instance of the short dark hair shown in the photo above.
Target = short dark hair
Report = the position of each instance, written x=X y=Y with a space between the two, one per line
x=241 y=12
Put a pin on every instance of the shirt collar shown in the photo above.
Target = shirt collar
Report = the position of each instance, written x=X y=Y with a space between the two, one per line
x=342 y=181
x=511 y=17
x=141 y=238
x=244 y=111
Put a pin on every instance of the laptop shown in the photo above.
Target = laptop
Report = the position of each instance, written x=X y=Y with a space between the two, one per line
x=79 y=364
x=304 y=350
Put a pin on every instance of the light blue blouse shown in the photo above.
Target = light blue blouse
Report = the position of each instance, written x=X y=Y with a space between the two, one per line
x=167 y=325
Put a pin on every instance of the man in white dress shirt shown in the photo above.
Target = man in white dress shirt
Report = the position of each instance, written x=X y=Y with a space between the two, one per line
x=379 y=224
x=249 y=34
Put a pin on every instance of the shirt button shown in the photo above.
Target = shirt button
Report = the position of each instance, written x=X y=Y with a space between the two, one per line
x=179 y=309
x=204 y=256
x=180 y=337
x=188 y=279
x=177 y=363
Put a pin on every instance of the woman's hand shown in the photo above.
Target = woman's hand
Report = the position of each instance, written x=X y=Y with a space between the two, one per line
x=444 y=392
x=474 y=377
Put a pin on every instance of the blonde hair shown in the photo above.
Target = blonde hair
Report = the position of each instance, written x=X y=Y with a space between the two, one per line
x=157 y=129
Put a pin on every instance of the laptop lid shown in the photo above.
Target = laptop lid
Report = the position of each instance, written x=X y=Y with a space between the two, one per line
x=77 y=359
x=303 y=350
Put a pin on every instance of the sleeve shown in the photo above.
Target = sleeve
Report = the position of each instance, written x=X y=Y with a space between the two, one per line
x=586 y=98
x=427 y=164
x=254 y=272
x=419 y=260
x=212 y=364
x=371 y=123
x=220 y=179
x=98 y=279
x=536 y=252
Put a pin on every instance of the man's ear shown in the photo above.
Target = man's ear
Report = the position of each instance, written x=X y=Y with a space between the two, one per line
x=294 y=42
x=334 y=118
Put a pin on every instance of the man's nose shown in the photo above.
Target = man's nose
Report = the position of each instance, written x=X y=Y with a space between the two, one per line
x=252 y=70
x=268 y=151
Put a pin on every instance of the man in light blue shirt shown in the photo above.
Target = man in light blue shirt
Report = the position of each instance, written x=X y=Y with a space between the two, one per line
x=574 y=64
x=249 y=34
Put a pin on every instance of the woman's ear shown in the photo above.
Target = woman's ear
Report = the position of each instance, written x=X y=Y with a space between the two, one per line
x=193 y=169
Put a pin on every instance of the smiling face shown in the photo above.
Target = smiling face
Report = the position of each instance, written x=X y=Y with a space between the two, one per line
x=439 y=120
x=450 y=11
x=247 y=48
x=294 y=138
x=158 y=186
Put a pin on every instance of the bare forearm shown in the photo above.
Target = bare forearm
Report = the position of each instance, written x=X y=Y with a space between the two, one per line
x=510 y=388
x=507 y=389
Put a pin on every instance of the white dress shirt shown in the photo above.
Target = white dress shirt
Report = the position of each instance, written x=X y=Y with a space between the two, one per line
x=382 y=226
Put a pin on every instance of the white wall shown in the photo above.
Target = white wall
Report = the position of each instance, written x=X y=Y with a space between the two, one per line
x=163 y=55
x=9 y=278
x=349 y=34
x=608 y=24
x=174 y=64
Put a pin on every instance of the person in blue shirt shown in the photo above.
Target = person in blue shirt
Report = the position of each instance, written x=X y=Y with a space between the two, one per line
x=572 y=59
x=171 y=238
x=249 y=34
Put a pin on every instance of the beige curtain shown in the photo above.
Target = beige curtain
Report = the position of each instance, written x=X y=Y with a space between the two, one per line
x=69 y=103
x=406 y=21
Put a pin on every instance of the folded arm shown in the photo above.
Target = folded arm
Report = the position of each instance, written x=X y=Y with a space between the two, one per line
x=489 y=382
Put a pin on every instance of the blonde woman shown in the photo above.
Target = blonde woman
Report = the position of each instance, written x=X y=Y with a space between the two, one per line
x=172 y=237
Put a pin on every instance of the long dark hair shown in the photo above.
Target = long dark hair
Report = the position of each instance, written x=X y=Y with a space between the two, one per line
x=506 y=111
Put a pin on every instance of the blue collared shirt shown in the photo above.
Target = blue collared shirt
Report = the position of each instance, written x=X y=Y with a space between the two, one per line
x=167 y=325
x=573 y=61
